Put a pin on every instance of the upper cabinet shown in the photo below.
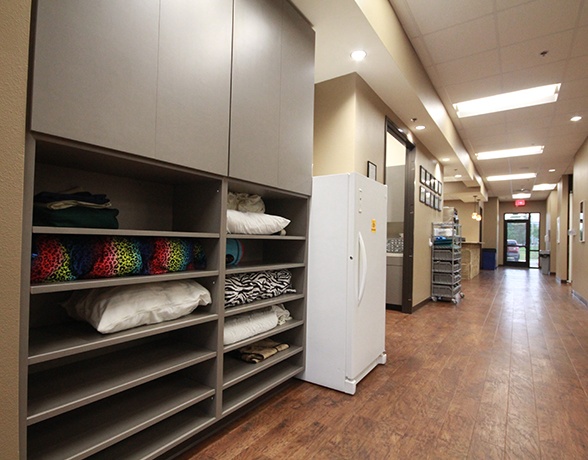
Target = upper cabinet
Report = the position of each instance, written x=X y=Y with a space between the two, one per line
x=296 y=103
x=272 y=95
x=221 y=86
x=194 y=83
x=255 y=105
x=95 y=72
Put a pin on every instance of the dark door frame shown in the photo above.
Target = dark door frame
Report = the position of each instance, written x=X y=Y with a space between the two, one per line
x=409 y=177
x=526 y=245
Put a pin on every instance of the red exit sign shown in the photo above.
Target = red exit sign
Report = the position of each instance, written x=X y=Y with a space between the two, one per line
x=520 y=203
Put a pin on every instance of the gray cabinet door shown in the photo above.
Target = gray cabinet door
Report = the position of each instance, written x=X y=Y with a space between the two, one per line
x=193 y=93
x=255 y=105
x=95 y=72
x=296 y=103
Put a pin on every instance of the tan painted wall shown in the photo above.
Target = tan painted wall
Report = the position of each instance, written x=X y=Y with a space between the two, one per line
x=579 y=249
x=490 y=224
x=424 y=216
x=334 y=114
x=370 y=130
x=345 y=141
x=551 y=222
x=349 y=127
x=531 y=206
x=14 y=40
x=470 y=228
x=561 y=264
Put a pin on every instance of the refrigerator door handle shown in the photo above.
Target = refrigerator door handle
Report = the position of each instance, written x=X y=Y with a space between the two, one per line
x=362 y=267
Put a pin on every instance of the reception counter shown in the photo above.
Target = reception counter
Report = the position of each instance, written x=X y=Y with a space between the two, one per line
x=470 y=260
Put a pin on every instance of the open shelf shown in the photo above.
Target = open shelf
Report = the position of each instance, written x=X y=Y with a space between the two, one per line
x=293 y=323
x=60 y=340
x=80 y=433
x=44 y=288
x=235 y=370
x=230 y=311
x=240 y=236
x=120 y=232
x=151 y=443
x=61 y=389
x=244 y=392
x=256 y=267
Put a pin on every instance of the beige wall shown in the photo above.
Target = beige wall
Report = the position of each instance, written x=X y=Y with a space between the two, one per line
x=349 y=130
x=370 y=129
x=561 y=260
x=334 y=114
x=349 y=127
x=14 y=36
x=490 y=223
x=550 y=227
x=424 y=216
x=470 y=228
x=579 y=249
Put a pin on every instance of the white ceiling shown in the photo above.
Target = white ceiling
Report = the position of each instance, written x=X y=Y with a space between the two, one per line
x=470 y=49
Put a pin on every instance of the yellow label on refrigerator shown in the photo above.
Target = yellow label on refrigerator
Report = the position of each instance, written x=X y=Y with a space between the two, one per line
x=373 y=225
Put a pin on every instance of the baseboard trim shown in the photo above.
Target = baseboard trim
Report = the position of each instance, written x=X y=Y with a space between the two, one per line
x=580 y=298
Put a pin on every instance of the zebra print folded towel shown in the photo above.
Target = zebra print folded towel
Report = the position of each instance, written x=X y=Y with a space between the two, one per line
x=243 y=288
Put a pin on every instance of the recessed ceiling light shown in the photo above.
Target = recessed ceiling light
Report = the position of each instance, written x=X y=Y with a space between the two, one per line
x=552 y=170
x=358 y=55
x=508 y=101
x=542 y=187
x=419 y=127
x=511 y=177
x=576 y=118
x=457 y=176
x=521 y=196
x=444 y=159
x=507 y=153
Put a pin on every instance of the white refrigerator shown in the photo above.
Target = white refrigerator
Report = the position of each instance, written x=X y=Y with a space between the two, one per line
x=346 y=314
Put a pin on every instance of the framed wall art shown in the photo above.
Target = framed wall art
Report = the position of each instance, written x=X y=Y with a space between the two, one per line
x=372 y=170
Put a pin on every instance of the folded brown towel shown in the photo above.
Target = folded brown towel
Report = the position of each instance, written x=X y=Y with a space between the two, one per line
x=260 y=350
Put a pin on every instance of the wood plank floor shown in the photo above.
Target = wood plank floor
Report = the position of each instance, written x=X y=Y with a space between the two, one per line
x=502 y=375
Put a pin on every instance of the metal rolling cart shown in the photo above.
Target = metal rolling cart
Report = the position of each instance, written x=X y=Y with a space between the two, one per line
x=446 y=262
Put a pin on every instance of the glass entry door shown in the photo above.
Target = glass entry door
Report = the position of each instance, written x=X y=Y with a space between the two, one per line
x=517 y=239
x=535 y=225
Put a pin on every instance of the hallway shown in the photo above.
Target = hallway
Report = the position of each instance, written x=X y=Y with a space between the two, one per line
x=504 y=374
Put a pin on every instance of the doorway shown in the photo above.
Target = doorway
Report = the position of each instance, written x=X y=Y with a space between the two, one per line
x=521 y=239
x=400 y=177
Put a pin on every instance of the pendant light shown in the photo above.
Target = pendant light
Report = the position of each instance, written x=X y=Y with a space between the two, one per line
x=476 y=215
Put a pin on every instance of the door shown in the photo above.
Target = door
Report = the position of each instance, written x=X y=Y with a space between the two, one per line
x=255 y=99
x=366 y=275
x=516 y=239
x=535 y=235
x=194 y=84
x=95 y=77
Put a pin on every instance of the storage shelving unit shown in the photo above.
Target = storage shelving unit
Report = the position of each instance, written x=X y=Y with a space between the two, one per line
x=446 y=262
x=142 y=392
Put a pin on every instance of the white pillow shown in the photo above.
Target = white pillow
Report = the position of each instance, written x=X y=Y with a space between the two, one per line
x=124 y=307
x=254 y=223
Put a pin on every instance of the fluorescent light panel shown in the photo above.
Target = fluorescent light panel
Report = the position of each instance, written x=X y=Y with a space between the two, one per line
x=508 y=153
x=511 y=177
x=521 y=196
x=508 y=101
x=542 y=187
